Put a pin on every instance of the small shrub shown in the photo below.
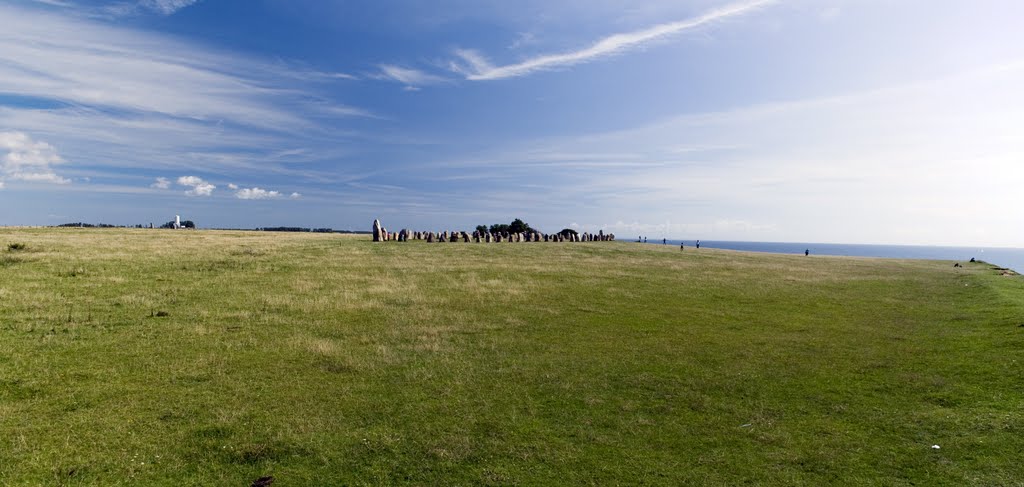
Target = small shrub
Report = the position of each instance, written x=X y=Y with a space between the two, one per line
x=14 y=247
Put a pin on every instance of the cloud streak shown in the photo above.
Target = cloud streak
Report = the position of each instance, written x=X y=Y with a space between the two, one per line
x=474 y=66
x=408 y=76
x=167 y=7
x=101 y=92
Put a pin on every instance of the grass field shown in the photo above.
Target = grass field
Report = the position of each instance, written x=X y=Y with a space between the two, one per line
x=152 y=357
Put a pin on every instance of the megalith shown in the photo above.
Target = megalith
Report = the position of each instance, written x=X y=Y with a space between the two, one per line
x=376 y=231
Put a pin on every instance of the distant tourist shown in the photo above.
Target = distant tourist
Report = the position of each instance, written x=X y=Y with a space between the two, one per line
x=807 y=252
x=698 y=244
x=664 y=241
x=645 y=239
x=680 y=245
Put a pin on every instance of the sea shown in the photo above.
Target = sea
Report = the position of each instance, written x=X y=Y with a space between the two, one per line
x=1010 y=258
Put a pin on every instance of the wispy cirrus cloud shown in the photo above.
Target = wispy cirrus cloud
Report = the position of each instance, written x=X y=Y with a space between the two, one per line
x=162 y=7
x=411 y=77
x=56 y=3
x=101 y=92
x=475 y=66
x=167 y=7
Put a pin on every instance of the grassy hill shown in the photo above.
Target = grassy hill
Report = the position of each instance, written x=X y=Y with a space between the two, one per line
x=214 y=358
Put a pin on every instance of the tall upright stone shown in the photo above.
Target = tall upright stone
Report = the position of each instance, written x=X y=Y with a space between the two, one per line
x=376 y=231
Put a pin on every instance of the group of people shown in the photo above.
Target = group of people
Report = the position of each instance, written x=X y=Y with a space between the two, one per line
x=664 y=241
x=682 y=244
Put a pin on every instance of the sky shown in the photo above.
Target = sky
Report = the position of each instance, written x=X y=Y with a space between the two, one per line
x=842 y=121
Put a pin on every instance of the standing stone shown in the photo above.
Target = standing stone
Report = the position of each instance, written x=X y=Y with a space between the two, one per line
x=376 y=231
x=430 y=237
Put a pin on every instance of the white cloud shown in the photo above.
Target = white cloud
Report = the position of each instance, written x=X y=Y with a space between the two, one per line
x=167 y=7
x=409 y=76
x=295 y=196
x=162 y=7
x=199 y=187
x=3 y=185
x=256 y=194
x=161 y=183
x=56 y=3
x=28 y=160
x=232 y=186
x=476 y=67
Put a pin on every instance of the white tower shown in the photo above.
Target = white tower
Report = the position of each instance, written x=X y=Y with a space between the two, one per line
x=177 y=221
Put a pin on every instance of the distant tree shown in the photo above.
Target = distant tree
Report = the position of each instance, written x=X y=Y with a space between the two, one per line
x=519 y=226
x=184 y=224
x=481 y=228
x=566 y=232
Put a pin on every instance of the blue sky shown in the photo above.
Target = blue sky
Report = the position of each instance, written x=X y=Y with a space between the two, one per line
x=854 y=121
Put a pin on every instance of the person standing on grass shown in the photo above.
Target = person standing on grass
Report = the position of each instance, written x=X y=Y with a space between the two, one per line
x=807 y=252
x=680 y=245
x=698 y=244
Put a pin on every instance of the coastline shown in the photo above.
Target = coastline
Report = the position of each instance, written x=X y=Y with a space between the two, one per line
x=1011 y=258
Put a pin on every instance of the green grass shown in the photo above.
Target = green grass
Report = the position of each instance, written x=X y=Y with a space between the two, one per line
x=214 y=358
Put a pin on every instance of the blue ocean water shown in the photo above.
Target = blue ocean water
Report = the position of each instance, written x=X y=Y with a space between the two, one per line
x=1003 y=257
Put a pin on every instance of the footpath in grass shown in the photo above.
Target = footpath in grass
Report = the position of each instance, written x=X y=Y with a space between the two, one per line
x=214 y=358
